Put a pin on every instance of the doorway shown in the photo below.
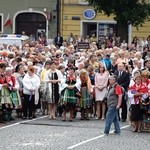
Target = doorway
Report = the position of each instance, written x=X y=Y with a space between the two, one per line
x=89 y=28
x=30 y=23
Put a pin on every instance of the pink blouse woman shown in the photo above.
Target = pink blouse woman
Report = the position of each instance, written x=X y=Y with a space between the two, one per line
x=101 y=81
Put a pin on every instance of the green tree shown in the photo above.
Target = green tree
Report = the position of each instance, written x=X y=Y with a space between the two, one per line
x=125 y=12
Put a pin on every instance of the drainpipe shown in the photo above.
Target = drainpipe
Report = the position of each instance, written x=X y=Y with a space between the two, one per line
x=58 y=16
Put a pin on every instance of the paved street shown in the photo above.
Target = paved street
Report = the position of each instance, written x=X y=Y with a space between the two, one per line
x=44 y=134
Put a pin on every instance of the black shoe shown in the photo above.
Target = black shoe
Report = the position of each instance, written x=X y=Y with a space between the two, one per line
x=30 y=117
x=1 y=121
x=123 y=120
x=34 y=116
x=87 y=118
x=12 y=119
x=81 y=118
x=70 y=120
x=64 y=119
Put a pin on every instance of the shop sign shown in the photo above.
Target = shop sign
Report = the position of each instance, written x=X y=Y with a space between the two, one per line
x=83 y=45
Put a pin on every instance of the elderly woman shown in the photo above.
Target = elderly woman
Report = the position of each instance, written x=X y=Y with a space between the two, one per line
x=145 y=74
x=19 y=74
x=12 y=91
x=13 y=88
x=31 y=84
x=137 y=92
x=138 y=55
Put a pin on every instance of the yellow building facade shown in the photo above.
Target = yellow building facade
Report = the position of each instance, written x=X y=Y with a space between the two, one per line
x=78 y=17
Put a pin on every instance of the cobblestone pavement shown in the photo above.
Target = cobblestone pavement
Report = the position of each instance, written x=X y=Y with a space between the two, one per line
x=44 y=134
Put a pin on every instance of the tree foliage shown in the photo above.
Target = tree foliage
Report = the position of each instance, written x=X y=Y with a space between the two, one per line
x=124 y=11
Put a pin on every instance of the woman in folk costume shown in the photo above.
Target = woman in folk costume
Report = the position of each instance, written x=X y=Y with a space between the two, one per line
x=2 y=85
x=5 y=91
x=52 y=81
x=70 y=93
x=86 y=92
x=31 y=84
x=13 y=88
x=145 y=80
x=92 y=73
x=136 y=93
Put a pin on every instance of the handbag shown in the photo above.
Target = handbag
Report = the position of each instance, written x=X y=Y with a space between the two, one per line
x=77 y=92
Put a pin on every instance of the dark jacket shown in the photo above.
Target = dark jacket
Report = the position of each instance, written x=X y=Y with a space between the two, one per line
x=124 y=79
x=58 y=43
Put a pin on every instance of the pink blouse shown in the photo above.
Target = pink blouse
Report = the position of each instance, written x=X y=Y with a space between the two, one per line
x=101 y=79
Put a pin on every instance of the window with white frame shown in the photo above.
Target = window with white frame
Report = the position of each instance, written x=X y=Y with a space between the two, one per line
x=83 y=2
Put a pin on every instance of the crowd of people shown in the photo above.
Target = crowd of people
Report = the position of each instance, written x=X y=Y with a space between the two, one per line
x=53 y=75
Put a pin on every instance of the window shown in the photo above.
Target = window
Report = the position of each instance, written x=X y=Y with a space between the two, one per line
x=1 y=22
x=106 y=29
x=83 y=2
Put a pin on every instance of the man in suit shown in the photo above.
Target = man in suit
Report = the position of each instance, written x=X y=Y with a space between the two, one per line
x=147 y=64
x=58 y=40
x=123 y=79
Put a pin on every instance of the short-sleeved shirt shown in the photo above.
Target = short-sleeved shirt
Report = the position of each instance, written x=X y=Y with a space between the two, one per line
x=118 y=90
x=112 y=97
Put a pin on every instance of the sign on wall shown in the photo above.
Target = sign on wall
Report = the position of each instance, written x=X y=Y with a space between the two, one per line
x=89 y=14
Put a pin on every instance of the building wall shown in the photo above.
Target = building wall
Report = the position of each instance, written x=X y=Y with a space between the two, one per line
x=73 y=8
x=142 y=31
x=69 y=25
x=14 y=6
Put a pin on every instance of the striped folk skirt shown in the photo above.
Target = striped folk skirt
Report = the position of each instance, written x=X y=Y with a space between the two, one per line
x=85 y=100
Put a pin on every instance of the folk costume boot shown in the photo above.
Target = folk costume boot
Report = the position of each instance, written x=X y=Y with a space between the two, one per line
x=1 y=120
